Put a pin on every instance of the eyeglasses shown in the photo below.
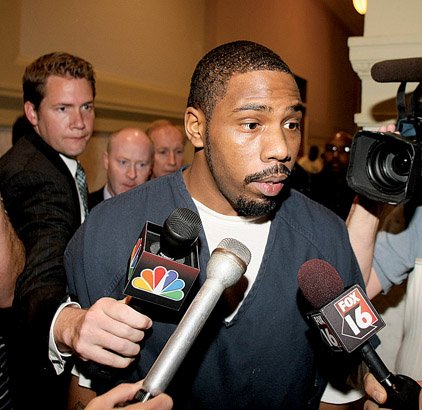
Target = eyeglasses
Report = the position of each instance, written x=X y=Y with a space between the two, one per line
x=334 y=148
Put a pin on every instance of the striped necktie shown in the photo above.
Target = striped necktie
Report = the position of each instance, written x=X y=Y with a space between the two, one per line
x=5 y=400
x=82 y=187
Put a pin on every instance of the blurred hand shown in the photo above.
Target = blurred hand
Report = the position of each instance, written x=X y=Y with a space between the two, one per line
x=374 y=390
x=388 y=128
x=124 y=393
x=108 y=332
x=378 y=393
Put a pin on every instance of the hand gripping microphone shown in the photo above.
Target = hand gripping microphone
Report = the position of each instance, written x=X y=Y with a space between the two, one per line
x=346 y=320
x=169 y=256
x=228 y=262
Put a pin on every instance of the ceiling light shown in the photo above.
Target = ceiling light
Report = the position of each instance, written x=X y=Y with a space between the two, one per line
x=360 y=6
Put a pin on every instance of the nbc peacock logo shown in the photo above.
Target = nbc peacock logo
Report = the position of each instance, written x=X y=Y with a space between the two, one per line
x=160 y=282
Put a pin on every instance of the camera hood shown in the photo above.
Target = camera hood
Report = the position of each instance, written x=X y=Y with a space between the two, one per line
x=384 y=166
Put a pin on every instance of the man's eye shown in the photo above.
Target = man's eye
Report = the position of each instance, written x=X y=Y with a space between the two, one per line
x=61 y=109
x=88 y=107
x=250 y=125
x=292 y=125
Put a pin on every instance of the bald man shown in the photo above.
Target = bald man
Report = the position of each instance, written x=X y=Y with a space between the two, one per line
x=169 y=145
x=128 y=162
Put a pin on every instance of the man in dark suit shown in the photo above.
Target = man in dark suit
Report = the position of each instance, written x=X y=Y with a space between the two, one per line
x=128 y=162
x=37 y=179
x=46 y=200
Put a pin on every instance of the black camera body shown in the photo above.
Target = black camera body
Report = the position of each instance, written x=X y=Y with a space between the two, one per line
x=385 y=166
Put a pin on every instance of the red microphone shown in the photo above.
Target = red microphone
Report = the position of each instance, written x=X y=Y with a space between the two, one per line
x=347 y=320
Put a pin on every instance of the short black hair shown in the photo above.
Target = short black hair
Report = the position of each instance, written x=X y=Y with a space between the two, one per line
x=209 y=80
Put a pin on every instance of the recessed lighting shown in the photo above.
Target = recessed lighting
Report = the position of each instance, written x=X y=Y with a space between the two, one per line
x=360 y=6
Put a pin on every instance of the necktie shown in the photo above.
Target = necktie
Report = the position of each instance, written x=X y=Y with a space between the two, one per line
x=82 y=187
x=5 y=400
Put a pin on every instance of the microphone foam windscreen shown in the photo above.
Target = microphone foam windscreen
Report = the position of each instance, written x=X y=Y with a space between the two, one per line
x=319 y=282
x=400 y=70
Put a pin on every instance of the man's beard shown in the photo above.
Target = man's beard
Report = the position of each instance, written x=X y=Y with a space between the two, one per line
x=246 y=207
x=241 y=204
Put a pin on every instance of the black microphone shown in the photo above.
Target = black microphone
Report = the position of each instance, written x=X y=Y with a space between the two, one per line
x=180 y=231
x=347 y=320
x=228 y=262
x=400 y=70
x=164 y=262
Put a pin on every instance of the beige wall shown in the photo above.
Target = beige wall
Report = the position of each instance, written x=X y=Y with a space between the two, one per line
x=311 y=40
x=144 y=52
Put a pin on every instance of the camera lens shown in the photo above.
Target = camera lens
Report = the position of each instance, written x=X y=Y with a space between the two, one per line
x=389 y=164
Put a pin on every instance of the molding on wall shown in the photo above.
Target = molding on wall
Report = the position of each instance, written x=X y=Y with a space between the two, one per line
x=119 y=102
x=378 y=104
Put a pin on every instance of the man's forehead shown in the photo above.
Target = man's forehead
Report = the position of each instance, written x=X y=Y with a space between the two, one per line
x=63 y=86
x=254 y=83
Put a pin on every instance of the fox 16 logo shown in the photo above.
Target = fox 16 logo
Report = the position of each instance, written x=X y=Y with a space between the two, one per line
x=359 y=317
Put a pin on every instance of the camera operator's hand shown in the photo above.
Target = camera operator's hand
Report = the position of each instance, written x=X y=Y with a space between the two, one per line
x=388 y=128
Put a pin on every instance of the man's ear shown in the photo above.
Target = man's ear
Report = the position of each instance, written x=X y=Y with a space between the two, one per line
x=105 y=160
x=31 y=113
x=195 y=126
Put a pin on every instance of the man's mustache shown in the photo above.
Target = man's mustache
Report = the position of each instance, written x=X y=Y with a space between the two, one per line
x=274 y=171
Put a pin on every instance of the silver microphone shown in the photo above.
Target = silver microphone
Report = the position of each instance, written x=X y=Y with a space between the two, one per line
x=227 y=264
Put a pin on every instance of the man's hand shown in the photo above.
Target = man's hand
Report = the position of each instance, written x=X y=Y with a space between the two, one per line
x=378 y=393
x=108 y=332
x=124 y=393
x=374 y=390
x=388 y=128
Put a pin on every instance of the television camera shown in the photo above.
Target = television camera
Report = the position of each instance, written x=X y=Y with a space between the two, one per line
x=385 y=166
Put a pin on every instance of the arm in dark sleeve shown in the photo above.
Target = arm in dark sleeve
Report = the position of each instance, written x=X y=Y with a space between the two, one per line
x=42 y=212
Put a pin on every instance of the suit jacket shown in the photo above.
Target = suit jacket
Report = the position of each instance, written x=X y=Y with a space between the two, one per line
x=94 y=198
x=42 y=201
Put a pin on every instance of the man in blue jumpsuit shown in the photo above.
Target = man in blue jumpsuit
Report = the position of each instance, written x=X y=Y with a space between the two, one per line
x=255 y=352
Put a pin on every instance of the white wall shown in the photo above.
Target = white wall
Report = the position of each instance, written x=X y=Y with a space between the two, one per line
x=392 y=30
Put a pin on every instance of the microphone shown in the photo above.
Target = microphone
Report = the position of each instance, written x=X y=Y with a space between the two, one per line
x=162 y=269
x=164 y=262
x=228 y=262
x=400 y=70
x=180 y=232
x=346 y=320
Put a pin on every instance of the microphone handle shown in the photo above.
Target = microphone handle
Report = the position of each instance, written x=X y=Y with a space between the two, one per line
x=402 y=391
x=179 y=343
x=376 y=365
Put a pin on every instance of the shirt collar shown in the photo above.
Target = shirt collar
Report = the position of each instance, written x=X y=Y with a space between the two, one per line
x=71 y=163
x=106 y=192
